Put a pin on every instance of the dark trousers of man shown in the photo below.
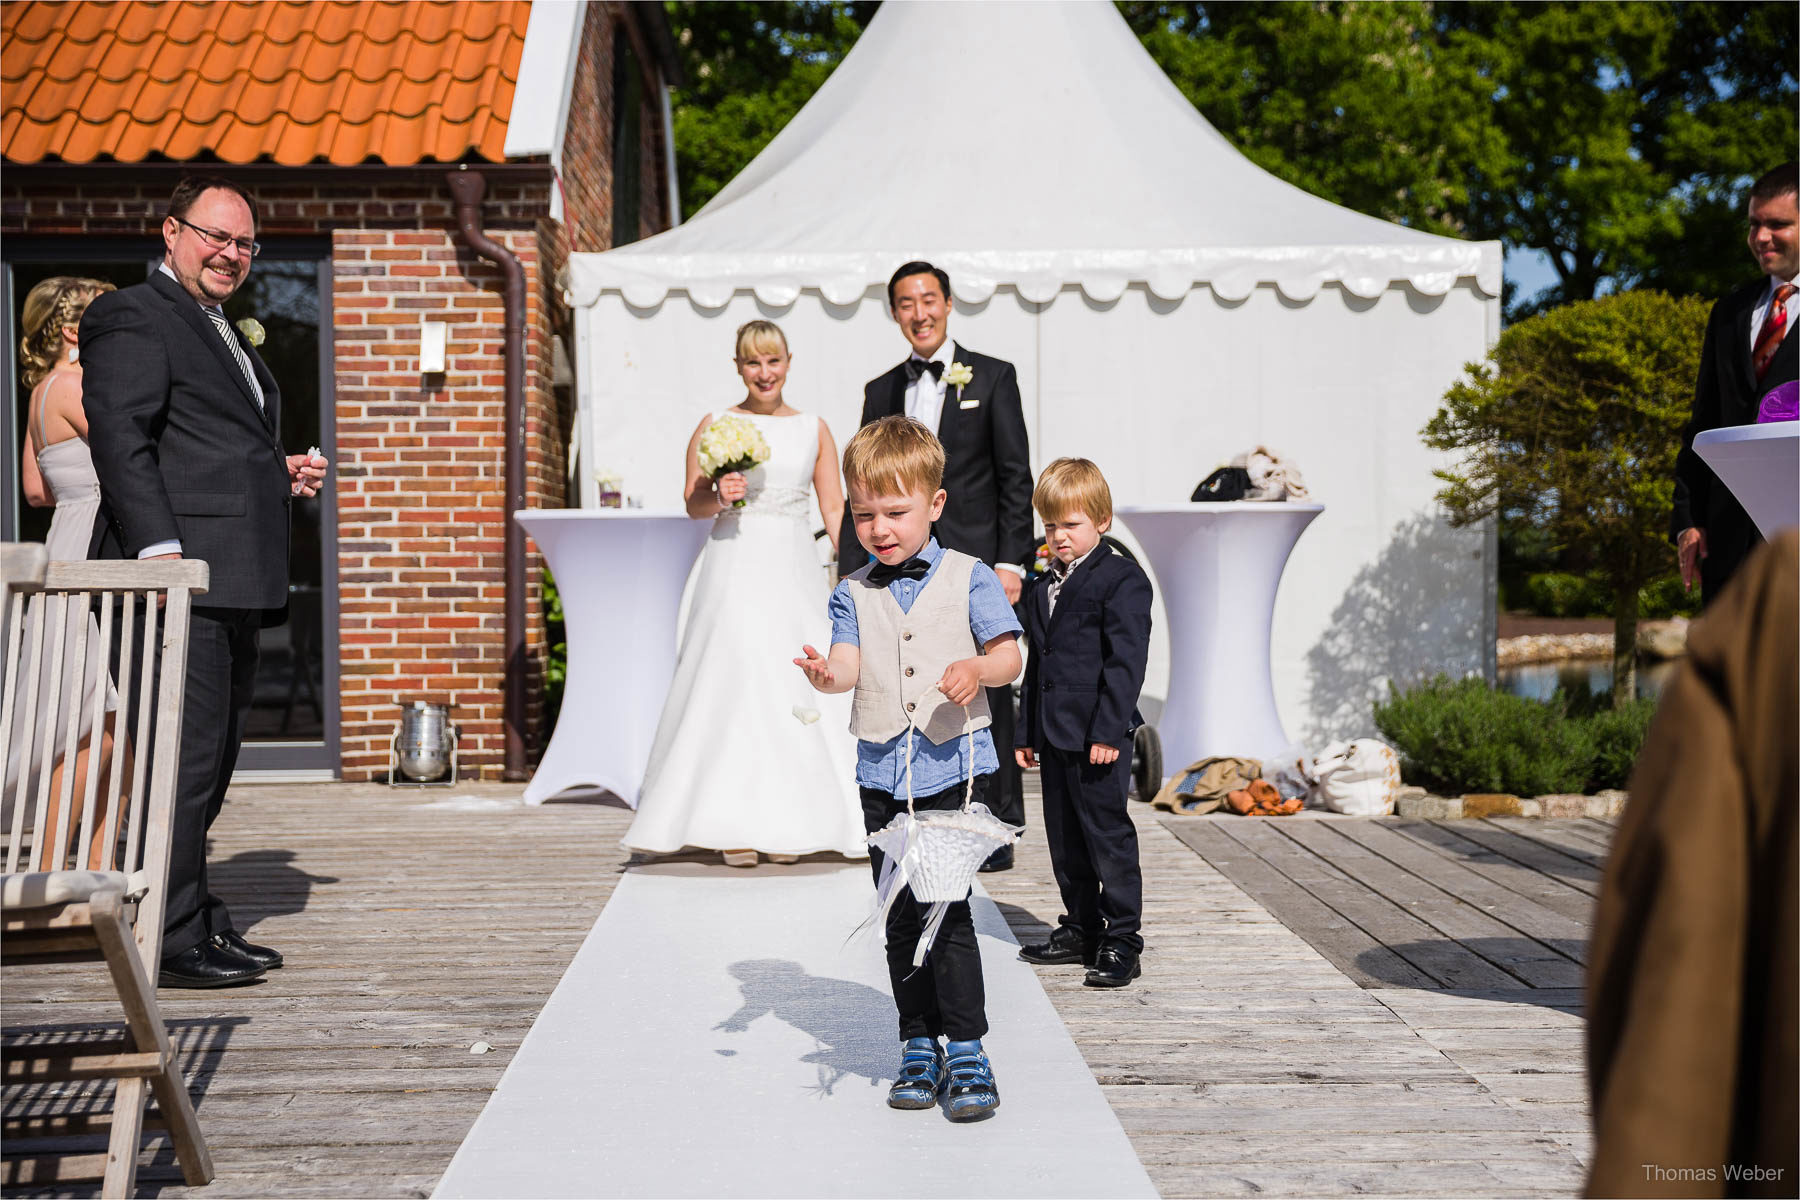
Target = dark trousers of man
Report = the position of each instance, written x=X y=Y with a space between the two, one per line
x=945 y=997
x=1007 y=795
x=221 y=672
x=1093 y=845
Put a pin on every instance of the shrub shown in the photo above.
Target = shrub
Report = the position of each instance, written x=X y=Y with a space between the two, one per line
x=1617 y=735
x=556 y=658
x=1664 y=597
x=1462 y=736
x=1560 y=594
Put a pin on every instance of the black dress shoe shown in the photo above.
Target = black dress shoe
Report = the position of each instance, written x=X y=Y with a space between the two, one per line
x=1065 y=946
x=1114 y=966
x=234 y=941
x=206 y=966
x=999 y=860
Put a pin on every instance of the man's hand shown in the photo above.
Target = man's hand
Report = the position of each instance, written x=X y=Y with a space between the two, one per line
x=961 y=681
x=1026 y=757
x=1100 y=754
x=1690 y=548
x=306 y=473
x=1012 y=584
x=818 y=669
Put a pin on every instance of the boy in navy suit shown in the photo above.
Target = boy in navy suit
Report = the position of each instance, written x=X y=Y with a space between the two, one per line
x=1088 y=623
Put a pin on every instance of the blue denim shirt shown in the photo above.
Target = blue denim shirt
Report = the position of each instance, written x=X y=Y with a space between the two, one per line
x=882 y=765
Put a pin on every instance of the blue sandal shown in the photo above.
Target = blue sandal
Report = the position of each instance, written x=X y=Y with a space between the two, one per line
x=971 y=1093
x=921 y=1075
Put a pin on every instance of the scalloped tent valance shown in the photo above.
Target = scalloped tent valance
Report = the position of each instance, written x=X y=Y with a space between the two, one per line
x=1031 y=145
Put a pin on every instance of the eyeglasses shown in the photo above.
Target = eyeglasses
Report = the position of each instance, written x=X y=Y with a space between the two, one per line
x=218 y=240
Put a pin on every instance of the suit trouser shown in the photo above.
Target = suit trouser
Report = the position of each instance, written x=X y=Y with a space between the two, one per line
x=1007 y=794
x=221 y=673
x=1093 y=845
x=946 y=996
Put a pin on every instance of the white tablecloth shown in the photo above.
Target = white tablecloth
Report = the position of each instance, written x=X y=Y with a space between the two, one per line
x=620 y=573
x=1217 y=567
x=1761 y=466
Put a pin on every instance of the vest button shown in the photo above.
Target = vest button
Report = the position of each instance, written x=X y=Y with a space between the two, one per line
x=910 y=706
x=909 y=672
x=906 y=637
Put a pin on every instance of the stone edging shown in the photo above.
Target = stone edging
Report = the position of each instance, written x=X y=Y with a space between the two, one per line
x=1418 y=804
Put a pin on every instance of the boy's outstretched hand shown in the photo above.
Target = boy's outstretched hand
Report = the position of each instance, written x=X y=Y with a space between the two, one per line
x=961 y=681
x=1099 y=754
x=818 y=669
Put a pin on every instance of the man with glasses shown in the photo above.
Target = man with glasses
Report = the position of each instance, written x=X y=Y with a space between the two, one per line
x=184 y=422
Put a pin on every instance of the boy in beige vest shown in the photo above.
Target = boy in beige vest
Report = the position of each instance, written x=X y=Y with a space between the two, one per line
x=920 y=632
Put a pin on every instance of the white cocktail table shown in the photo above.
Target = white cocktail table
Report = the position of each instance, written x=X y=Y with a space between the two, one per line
x=1217 y=567
x=620 y=573
x=1761 y=466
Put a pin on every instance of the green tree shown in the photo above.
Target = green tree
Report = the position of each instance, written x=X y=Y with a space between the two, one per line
x=1572 y=424
x=1620 y=138
x=750 y=67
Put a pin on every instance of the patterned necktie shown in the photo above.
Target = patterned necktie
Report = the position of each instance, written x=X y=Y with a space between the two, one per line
x=1059 y=575
x=1768 y=339
x=237 y=352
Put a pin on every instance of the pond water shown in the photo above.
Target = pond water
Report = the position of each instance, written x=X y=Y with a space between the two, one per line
x=1536 y=681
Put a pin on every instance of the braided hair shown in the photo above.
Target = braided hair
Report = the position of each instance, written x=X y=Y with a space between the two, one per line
x=52 y=304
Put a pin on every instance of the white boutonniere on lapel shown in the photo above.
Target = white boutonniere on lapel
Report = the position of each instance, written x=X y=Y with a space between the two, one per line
x=957 y=375
x=252 y=330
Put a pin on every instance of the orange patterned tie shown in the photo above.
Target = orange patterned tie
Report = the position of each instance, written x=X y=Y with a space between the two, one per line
x=1768 y=339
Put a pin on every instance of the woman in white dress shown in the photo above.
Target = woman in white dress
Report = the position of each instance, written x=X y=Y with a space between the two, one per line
x=747 y=758
x=56 y=469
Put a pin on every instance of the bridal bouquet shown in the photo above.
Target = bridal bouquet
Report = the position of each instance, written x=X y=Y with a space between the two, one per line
x=731 y=444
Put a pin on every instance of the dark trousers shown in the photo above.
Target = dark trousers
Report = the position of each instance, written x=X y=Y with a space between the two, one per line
x=1006 y=797
x=945 y=997
x=221 y=672
x=1093 y=845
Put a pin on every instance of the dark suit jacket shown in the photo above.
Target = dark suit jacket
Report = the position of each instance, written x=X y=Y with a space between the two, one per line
x=1725 y=393
x=987 y=468
x=1087 y=661
x=180 y=446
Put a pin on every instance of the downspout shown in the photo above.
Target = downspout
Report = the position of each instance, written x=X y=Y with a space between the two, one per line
x=468 y=188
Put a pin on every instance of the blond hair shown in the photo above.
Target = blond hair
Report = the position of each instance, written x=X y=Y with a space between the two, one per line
x=759 y=337
x=893 y=451
x=57 y=301
x=1073 y=485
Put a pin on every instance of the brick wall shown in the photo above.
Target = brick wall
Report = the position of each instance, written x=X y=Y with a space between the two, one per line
x=587 y=152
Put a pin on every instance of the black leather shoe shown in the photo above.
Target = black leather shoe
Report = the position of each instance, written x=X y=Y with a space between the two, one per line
x=234 y=941
x=999 y=860
x=1065 y=946
x=206 y=966
x=1114 y=966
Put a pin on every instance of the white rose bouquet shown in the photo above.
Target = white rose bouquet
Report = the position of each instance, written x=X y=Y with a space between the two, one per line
x=731 y=444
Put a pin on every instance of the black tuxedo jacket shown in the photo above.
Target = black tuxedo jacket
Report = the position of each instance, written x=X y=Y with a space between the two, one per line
x=179 y=444
x=1087 y=661
x=1725 y=393
x=987 y=467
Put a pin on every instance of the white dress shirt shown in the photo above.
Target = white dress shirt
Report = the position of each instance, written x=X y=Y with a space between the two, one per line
x=1057 y=584
x=1760 y=313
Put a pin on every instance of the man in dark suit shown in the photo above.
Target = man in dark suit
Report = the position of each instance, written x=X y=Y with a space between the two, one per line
x=1088 y=619
x=971 y=401
x=1747 y=353
x=184 y=423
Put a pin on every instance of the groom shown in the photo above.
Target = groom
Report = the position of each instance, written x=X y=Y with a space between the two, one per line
x=987 y=472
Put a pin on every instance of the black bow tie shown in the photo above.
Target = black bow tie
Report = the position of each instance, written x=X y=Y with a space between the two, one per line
x=913 y=568
x=916 y=367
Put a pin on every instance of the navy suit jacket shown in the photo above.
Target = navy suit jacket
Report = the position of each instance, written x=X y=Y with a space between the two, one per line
x=1087 y=661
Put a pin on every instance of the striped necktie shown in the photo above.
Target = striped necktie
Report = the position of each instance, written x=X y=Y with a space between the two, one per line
x=1768 y=339
x=237 y=352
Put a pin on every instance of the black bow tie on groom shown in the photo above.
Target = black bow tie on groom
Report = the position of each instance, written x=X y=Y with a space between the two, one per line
x=913 y=568
x=916 y=367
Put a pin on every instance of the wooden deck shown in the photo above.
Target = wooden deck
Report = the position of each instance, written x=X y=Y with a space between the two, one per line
x=1249 y=1060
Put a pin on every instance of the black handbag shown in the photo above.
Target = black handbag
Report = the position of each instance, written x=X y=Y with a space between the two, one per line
x=1226 y=483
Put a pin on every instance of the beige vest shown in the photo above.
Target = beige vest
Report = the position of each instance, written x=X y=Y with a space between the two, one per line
x=904 y=655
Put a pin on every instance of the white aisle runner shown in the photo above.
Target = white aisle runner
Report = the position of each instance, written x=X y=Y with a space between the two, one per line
x=716 y=1036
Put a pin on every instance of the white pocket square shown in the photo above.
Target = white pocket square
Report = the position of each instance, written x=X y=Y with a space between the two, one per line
x=968 y=404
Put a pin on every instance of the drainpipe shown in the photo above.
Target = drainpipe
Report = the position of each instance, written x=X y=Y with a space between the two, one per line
x=468 y=188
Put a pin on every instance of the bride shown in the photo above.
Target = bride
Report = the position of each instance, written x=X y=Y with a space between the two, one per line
x=747 y=758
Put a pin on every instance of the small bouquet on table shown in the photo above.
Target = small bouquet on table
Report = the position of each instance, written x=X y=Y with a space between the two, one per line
x=731 y=444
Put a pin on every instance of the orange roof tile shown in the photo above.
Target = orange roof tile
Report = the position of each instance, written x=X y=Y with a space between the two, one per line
x=392 y=81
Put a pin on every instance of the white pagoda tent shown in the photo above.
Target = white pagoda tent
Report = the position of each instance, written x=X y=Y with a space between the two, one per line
x=1168 y=304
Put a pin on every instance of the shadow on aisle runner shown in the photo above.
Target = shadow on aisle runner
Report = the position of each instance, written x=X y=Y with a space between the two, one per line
x=717 y=1035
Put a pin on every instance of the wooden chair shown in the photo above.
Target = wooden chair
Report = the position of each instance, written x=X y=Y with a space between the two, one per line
x=53 y=907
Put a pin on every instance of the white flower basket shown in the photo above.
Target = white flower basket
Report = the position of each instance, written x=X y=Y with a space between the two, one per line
x=944 y=849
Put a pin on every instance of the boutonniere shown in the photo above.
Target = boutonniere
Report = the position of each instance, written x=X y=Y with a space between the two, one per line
x=957 y=375
x=252 y=330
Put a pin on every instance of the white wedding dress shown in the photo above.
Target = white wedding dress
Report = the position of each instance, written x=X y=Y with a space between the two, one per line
x=732 y=766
